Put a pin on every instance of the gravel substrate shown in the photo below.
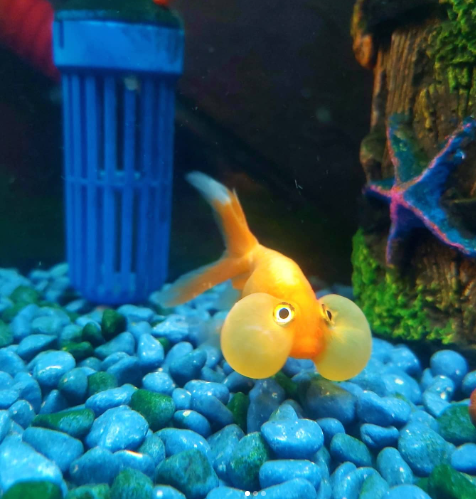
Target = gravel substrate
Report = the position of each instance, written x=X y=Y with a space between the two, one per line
x=135 y=403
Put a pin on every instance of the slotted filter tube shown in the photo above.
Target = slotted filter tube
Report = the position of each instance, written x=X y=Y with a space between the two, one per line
x=118 y=80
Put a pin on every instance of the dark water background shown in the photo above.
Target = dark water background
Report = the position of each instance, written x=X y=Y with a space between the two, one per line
x=271 y=102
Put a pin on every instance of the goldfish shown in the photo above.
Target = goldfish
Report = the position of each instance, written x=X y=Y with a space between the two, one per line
x=277 y=314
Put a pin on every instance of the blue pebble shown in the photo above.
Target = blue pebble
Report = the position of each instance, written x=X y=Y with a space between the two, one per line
x=5 y=424
x=325 y=490
x=159 y=382
x=295 y=366
x=449 y=363
x=137 y=329
x=381 y=350
x=330 y=427
x=371 y=378
x=403 y=358
x=74 y=385
x=227 y=369
x=107 y=399
x=97 y=465
x=135 y=460
x=426 y=379
x=72 y=333
x=378 y=437
x=265 y=398
x=215 y=411
x=236 y=382
x=34 y=344
x=434 y=404
x=422 y=448
x=127 y=370
x=59 y=447
x=399 y=383
x=284 y=411
x=118 y=428
x=424 y=418
x=150 y=352
x=175 y=328
x=133 y=313
x=463 y=458
x=10 y=362
x=20 y=327
x=382 y=411
x=153 y=447
x=319 y=402
x=346 y=448
x=113 y=359
x=177 y=351
x=176 y=441
x=49 y=324
x=188 y=367
x=341 y=472
x=27 y=465
x=218 y=390
x=351 y=484
x=322 y=459
x=469 y=383
x=8 y=397
x=214 y=355
x=222 y=445
x=443 y=386
x=92 y=362
x=54 y=402
x=22 y=413
x=213 y=375
x=352 y=388
x=166 y=492
x=296 y=488
x=182 y=398
x=374 y=487
x=276 y=472
x=51 y=366
x=6 y=381
x=393 y=468
x=123 y=342
x=194 y=421
x=290 y=439
x=406 y=492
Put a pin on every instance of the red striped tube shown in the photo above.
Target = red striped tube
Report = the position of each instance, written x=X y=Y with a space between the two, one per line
x=26 y=28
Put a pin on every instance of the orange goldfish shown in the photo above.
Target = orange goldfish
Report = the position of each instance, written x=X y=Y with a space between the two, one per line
x=278 y=314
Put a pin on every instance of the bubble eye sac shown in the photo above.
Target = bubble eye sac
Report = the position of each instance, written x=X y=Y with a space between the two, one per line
x=283 y=313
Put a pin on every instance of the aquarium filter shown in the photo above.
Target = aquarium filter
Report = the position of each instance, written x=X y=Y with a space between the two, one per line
x=118 y=80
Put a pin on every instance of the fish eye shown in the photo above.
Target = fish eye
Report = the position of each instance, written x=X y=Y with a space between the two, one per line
x=328 y=315
x=283 y=313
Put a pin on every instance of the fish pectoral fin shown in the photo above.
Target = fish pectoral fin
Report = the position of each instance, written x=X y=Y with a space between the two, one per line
x=202 y=279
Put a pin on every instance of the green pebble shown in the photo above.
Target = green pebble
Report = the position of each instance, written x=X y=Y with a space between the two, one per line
x=246 y=460
x=156 y=408
x=100 y=381
x=165 y=342
x=238 y=405
x=289 y=386
x=447 y=483
x=455 y=426
x=6 y=336
x=79 y=351
x=9 y=313
x=100 y=491
x=112 y=323
x=34 y=490
x=76 y=423
x=131 y=484
x=92 y=333
x=25 y=294
x=189 y=472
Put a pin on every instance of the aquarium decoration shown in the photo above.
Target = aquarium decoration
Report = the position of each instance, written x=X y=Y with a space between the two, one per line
x=416 y=263
x=118 y=78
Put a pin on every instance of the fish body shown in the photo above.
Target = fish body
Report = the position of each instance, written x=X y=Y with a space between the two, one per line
x=278 y=314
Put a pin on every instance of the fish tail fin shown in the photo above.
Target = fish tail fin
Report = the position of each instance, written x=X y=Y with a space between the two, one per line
x=239 y=241
x=228 y=212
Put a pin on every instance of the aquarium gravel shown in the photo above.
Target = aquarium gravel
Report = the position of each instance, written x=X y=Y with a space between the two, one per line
x=138 y=403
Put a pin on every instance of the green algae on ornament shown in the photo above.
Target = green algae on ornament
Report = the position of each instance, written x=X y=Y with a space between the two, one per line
x=76 y=422
x=447 y=483
x=112 y=323
x=131 y=484
x=34 y=490
x=157 y=409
